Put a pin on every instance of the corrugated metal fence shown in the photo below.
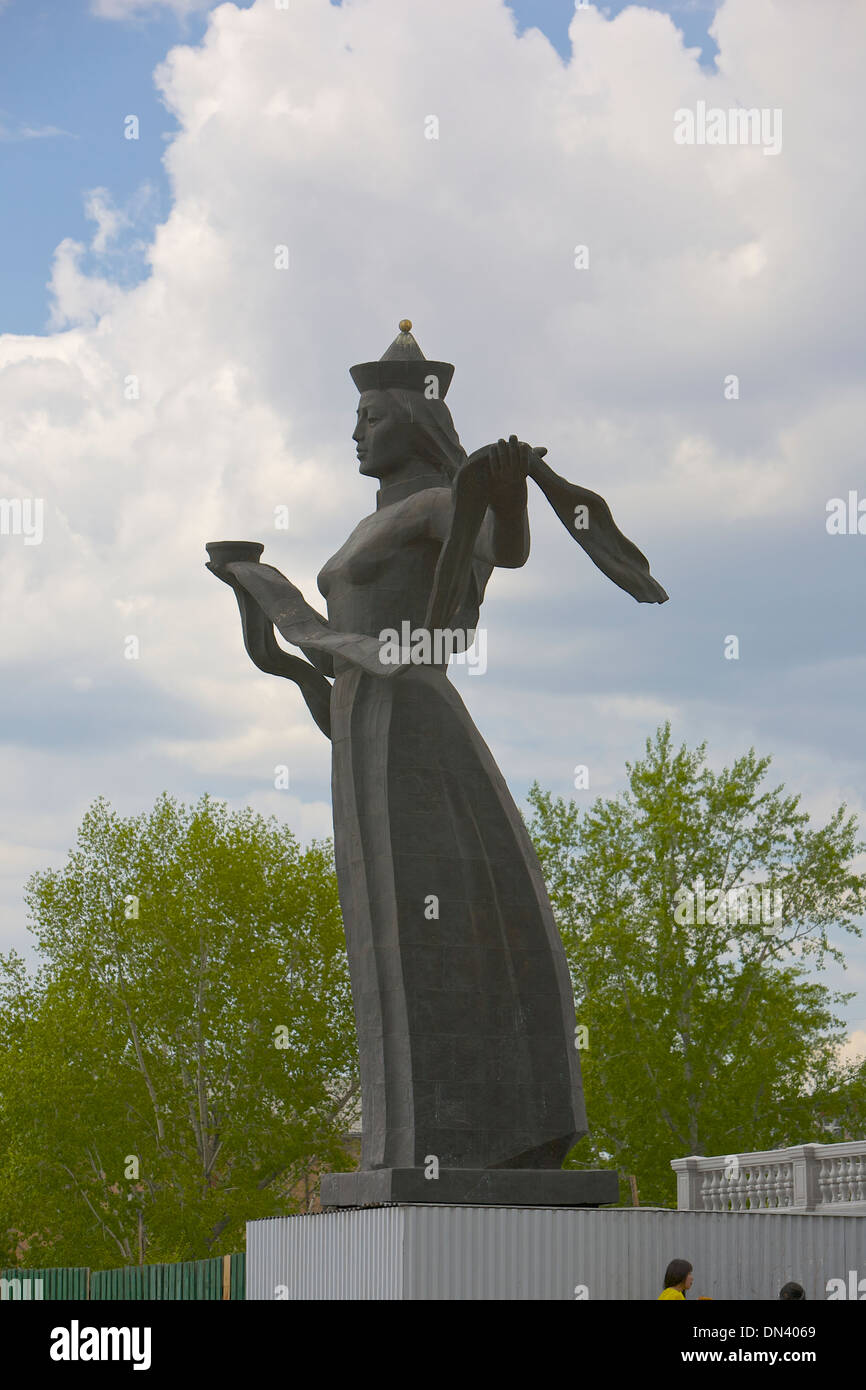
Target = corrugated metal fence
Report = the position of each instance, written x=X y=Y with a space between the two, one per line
x=223 y=1277
x=442 y=1252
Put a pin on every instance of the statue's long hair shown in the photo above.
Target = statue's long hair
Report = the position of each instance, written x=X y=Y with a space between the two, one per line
x=437 y=440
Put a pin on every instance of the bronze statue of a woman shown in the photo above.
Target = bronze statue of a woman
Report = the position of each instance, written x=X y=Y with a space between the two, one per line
x=470 y=1077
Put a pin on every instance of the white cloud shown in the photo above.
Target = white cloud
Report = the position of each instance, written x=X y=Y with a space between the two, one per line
x=10 y=134
x=186 y=409
x=81 y=296
x=138 y=9
x=99 y=207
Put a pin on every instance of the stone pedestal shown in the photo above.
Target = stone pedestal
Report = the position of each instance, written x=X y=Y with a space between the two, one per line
x=494 y=1187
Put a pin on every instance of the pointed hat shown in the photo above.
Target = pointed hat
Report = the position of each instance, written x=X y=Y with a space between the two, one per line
x=403 y=365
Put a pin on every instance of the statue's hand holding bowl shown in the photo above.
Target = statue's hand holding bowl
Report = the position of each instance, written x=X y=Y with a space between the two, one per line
x=224 y=553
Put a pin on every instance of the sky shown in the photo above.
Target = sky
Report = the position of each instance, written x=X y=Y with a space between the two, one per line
x=163 y=384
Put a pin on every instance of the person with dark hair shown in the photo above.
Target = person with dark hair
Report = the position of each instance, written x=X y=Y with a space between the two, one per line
x=678 y=1278
x=792 y=1293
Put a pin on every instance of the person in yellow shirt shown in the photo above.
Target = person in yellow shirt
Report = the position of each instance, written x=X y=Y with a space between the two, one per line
x=678 y=1278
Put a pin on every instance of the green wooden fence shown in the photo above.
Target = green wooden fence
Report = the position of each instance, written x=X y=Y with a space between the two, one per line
x=44 y=1283
x=223 y=1277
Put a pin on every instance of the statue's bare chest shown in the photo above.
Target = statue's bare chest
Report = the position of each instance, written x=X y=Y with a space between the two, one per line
x=392 y=543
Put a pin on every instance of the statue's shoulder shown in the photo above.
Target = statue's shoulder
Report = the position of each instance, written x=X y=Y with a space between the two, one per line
x=411 y=513
x=428 y=513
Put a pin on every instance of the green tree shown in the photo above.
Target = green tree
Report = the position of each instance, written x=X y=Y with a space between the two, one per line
x=704 y=1036
x=184 y=1057
x=842 y=1101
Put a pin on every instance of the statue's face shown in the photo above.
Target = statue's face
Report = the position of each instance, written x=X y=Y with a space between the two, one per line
x=383 y=435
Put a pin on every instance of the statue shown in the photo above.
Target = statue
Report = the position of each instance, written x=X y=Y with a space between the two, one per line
x=470 y=1072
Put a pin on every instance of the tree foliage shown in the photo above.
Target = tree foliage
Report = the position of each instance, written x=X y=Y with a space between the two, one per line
x=185 y=1053
x=706 y=1036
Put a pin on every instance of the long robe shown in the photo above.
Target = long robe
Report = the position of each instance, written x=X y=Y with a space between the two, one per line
x=462 y=994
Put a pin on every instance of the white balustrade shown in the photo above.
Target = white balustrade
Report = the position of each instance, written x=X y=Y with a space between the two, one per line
x=807 y=1177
